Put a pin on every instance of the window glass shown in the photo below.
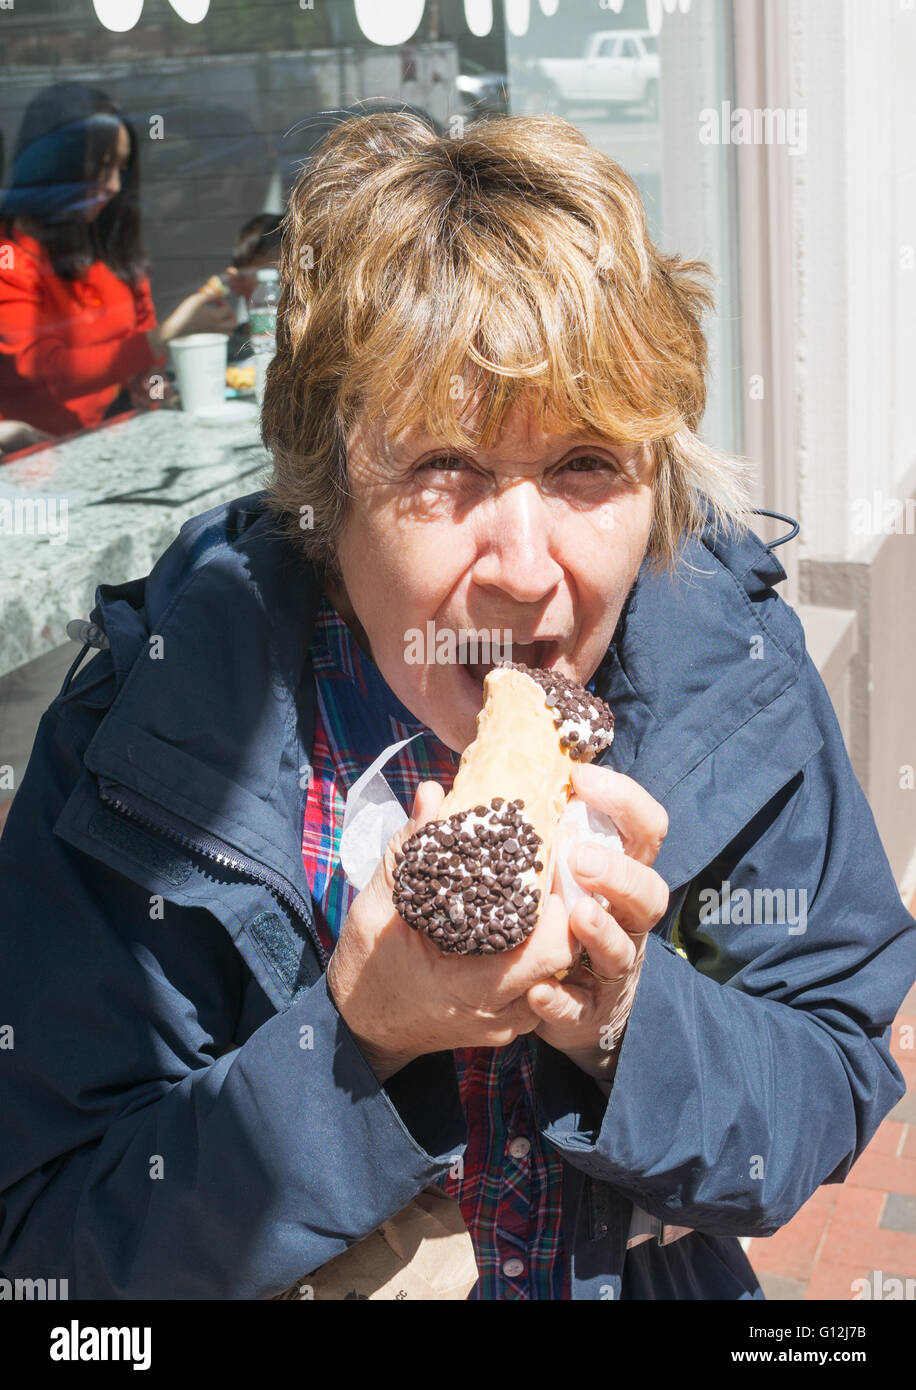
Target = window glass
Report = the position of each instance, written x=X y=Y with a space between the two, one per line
x=224 y=101
x=644 y=111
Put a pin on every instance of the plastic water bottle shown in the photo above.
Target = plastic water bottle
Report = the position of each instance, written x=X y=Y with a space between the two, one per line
x=262 y=321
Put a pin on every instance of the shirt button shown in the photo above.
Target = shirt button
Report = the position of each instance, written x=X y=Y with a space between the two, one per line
x=520 y=1148
x=513 y=1268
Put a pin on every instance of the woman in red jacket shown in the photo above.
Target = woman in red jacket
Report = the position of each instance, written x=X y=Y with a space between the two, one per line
x=77 y=321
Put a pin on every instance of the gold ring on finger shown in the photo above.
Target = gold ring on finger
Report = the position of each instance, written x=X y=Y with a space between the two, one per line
x=585 y=961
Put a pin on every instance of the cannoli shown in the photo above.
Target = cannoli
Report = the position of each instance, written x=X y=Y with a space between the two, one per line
x=475 y=880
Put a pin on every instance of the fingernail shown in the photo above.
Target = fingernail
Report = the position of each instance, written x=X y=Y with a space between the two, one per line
x=588 y=860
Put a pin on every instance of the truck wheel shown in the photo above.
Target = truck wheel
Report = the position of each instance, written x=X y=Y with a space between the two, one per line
x=650 y=97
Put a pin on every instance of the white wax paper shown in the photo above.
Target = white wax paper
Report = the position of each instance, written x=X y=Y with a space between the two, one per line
x=372 y=814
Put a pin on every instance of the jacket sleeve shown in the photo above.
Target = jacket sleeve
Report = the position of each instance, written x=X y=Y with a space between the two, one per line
x=137 y=1161
x=759 y=1066
x=56 y=360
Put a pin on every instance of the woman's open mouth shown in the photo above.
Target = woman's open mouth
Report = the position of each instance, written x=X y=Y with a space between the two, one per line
x=533 y=654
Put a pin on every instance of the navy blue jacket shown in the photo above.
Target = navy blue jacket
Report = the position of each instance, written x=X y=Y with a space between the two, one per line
x=169 y=1132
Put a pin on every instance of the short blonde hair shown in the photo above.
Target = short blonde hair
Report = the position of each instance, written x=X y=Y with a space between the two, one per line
x=513 y=259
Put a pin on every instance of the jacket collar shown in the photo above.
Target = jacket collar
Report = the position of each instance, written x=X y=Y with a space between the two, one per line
x=705 y=678
x=214 y=719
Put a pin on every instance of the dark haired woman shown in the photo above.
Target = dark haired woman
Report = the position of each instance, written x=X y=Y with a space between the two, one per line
x=77 y=321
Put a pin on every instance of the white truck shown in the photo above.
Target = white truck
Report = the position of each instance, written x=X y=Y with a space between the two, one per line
x=620 y=68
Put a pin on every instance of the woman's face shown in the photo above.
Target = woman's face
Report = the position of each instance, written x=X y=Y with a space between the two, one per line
x=535 y=541
x=108 y=182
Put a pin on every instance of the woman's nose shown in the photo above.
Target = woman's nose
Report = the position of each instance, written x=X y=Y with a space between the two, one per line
x=516 y=547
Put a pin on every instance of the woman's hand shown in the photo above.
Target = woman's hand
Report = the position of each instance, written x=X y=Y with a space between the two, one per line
x=585 y=1016
x=402 y=997
x=202 y=312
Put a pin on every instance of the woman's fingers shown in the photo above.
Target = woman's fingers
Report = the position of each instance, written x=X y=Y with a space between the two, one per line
x=428 y=797
x=556 y=1004
x=641 y=821
x=637 y=896
x=612 y=951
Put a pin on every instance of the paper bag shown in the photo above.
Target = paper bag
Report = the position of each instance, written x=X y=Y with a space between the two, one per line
x=424 y=1252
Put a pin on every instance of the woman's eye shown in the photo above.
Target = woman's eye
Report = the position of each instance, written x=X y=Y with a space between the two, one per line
x=585 y=463
x=440 y=462
x=590 y=458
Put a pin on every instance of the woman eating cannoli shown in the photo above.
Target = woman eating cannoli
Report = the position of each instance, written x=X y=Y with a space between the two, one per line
x=495 y=540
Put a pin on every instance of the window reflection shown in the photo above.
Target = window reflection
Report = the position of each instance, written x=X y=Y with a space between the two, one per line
x=633 y=76
x=226 y=102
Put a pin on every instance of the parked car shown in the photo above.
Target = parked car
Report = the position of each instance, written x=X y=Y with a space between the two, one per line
x=620 y=68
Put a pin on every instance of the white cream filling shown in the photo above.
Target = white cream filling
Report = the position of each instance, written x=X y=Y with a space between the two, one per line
x=585 y=731
x=578 y=726
x=435 y=855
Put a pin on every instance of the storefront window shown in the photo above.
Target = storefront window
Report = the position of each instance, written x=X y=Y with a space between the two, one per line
x=227 y=100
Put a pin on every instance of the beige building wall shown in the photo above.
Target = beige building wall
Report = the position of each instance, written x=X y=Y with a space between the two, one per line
x=829 y=319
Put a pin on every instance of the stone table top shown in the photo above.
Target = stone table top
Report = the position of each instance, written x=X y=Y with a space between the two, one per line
x=101 y=507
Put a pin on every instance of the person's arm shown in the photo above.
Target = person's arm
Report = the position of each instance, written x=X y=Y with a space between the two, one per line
x=53 y=355
x=147 y=321
x=759 y=1067
x=17 y=434
x=133 y=1163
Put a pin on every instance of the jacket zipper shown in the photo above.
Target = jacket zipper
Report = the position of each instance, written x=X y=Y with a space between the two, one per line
x=211 y=848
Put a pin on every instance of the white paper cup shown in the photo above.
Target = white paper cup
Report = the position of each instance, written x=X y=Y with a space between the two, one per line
x=200 y=368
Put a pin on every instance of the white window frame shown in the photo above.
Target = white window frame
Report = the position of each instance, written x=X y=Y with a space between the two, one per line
x=763 y=79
